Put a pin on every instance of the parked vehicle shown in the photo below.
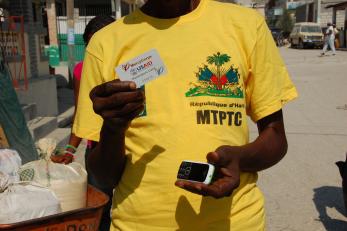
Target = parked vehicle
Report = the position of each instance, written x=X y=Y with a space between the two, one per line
x=306 y=34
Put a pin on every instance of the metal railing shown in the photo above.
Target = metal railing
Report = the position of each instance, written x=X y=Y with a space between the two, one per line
x=13 y=51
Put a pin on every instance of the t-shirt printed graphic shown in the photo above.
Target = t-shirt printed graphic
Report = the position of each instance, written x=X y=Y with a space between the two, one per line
x=219 y=79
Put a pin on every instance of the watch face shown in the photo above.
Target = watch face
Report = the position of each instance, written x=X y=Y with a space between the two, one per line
x=193 y=171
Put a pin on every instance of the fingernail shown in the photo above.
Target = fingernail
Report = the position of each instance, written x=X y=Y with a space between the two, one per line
x=132 y=86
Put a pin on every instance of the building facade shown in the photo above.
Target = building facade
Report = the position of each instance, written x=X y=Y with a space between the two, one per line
x=23 y=38
x=320 y=12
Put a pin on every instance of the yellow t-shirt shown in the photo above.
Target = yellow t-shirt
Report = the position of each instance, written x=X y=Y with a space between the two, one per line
x=222 y=65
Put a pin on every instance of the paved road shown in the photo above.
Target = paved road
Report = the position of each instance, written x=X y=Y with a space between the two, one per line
x=303 y=191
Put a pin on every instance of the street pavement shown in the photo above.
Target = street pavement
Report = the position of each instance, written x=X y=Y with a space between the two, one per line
x=303 y=192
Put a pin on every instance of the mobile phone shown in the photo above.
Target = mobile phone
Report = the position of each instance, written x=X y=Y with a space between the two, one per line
x=196 y=171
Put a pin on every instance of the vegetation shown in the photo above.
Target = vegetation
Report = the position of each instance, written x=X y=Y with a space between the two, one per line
x=285 y=23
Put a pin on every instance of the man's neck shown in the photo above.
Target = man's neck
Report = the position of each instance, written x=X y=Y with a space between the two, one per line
x=169 y=8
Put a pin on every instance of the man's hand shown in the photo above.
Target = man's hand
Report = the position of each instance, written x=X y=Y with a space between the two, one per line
x=226 y=159
x=117 y=102
x=267 y=150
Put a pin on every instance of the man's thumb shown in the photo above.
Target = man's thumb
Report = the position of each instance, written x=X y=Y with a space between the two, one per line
x=213 y=158
x=217 y=158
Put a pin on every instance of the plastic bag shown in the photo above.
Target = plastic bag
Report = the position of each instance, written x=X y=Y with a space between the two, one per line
x=25 y=201
x=68 y=182
x=10 y=162
x=46 y=147
x=4 y=182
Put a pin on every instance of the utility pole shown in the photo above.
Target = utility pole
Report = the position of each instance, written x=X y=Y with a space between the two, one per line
x=70 y=36
x=116 y=9
x=306 y=10
x=318 y=3
x=52 y=22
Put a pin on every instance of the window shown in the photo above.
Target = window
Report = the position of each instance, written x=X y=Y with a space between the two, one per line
x=311 y=29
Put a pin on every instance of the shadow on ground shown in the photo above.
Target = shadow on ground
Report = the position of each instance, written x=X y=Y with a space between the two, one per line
x=330 y=197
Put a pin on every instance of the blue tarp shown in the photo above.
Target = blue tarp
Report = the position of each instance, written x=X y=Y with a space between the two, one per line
x=12 y=119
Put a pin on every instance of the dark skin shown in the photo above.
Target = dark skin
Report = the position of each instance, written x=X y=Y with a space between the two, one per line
x=166 y=9
x=118 y=103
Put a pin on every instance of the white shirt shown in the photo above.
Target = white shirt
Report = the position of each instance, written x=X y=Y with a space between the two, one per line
x=332 y=35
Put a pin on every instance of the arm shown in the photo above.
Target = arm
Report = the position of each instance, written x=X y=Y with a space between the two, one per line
x=118 y=103
x=107 y=160
x=268 y=84
x=73 y=140
x=267 y=150
x=269 y=147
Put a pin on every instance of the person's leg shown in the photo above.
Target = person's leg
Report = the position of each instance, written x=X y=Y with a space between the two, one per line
x=325 y=47
x=332 y=45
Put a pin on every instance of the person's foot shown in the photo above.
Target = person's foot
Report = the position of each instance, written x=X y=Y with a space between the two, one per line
x=322 y=54
x=334 y=54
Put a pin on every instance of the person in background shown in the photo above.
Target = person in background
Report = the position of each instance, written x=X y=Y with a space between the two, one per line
x=329 y=39
x=336 y=32
x=92 y=27
x=222 y=65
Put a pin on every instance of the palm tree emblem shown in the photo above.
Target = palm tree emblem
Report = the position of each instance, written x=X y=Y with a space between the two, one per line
x=218 y=60
x=219 y=78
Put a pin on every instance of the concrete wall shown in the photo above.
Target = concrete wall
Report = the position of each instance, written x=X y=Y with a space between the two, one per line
x=42 y=91
x=327 y=16
x=261 y=10
x=41 y=86
x=42 y=61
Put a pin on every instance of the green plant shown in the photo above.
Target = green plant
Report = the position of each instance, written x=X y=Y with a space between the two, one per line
x=286 y=23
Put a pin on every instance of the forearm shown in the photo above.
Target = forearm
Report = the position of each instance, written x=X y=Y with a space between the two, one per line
x=74 y=140
x=107 y=160
x=267 y=150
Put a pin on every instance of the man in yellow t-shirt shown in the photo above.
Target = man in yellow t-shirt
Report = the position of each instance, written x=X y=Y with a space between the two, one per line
x=222 y=65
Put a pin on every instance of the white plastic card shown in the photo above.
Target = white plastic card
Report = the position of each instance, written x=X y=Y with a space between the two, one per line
x=142 y=69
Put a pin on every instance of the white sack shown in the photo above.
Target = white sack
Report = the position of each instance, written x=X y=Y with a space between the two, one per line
x=4 y=181
x=25 y=201
x=10 y=162
x=68 y=182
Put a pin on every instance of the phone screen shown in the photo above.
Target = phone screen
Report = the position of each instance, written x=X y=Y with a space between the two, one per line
x=193 y=171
